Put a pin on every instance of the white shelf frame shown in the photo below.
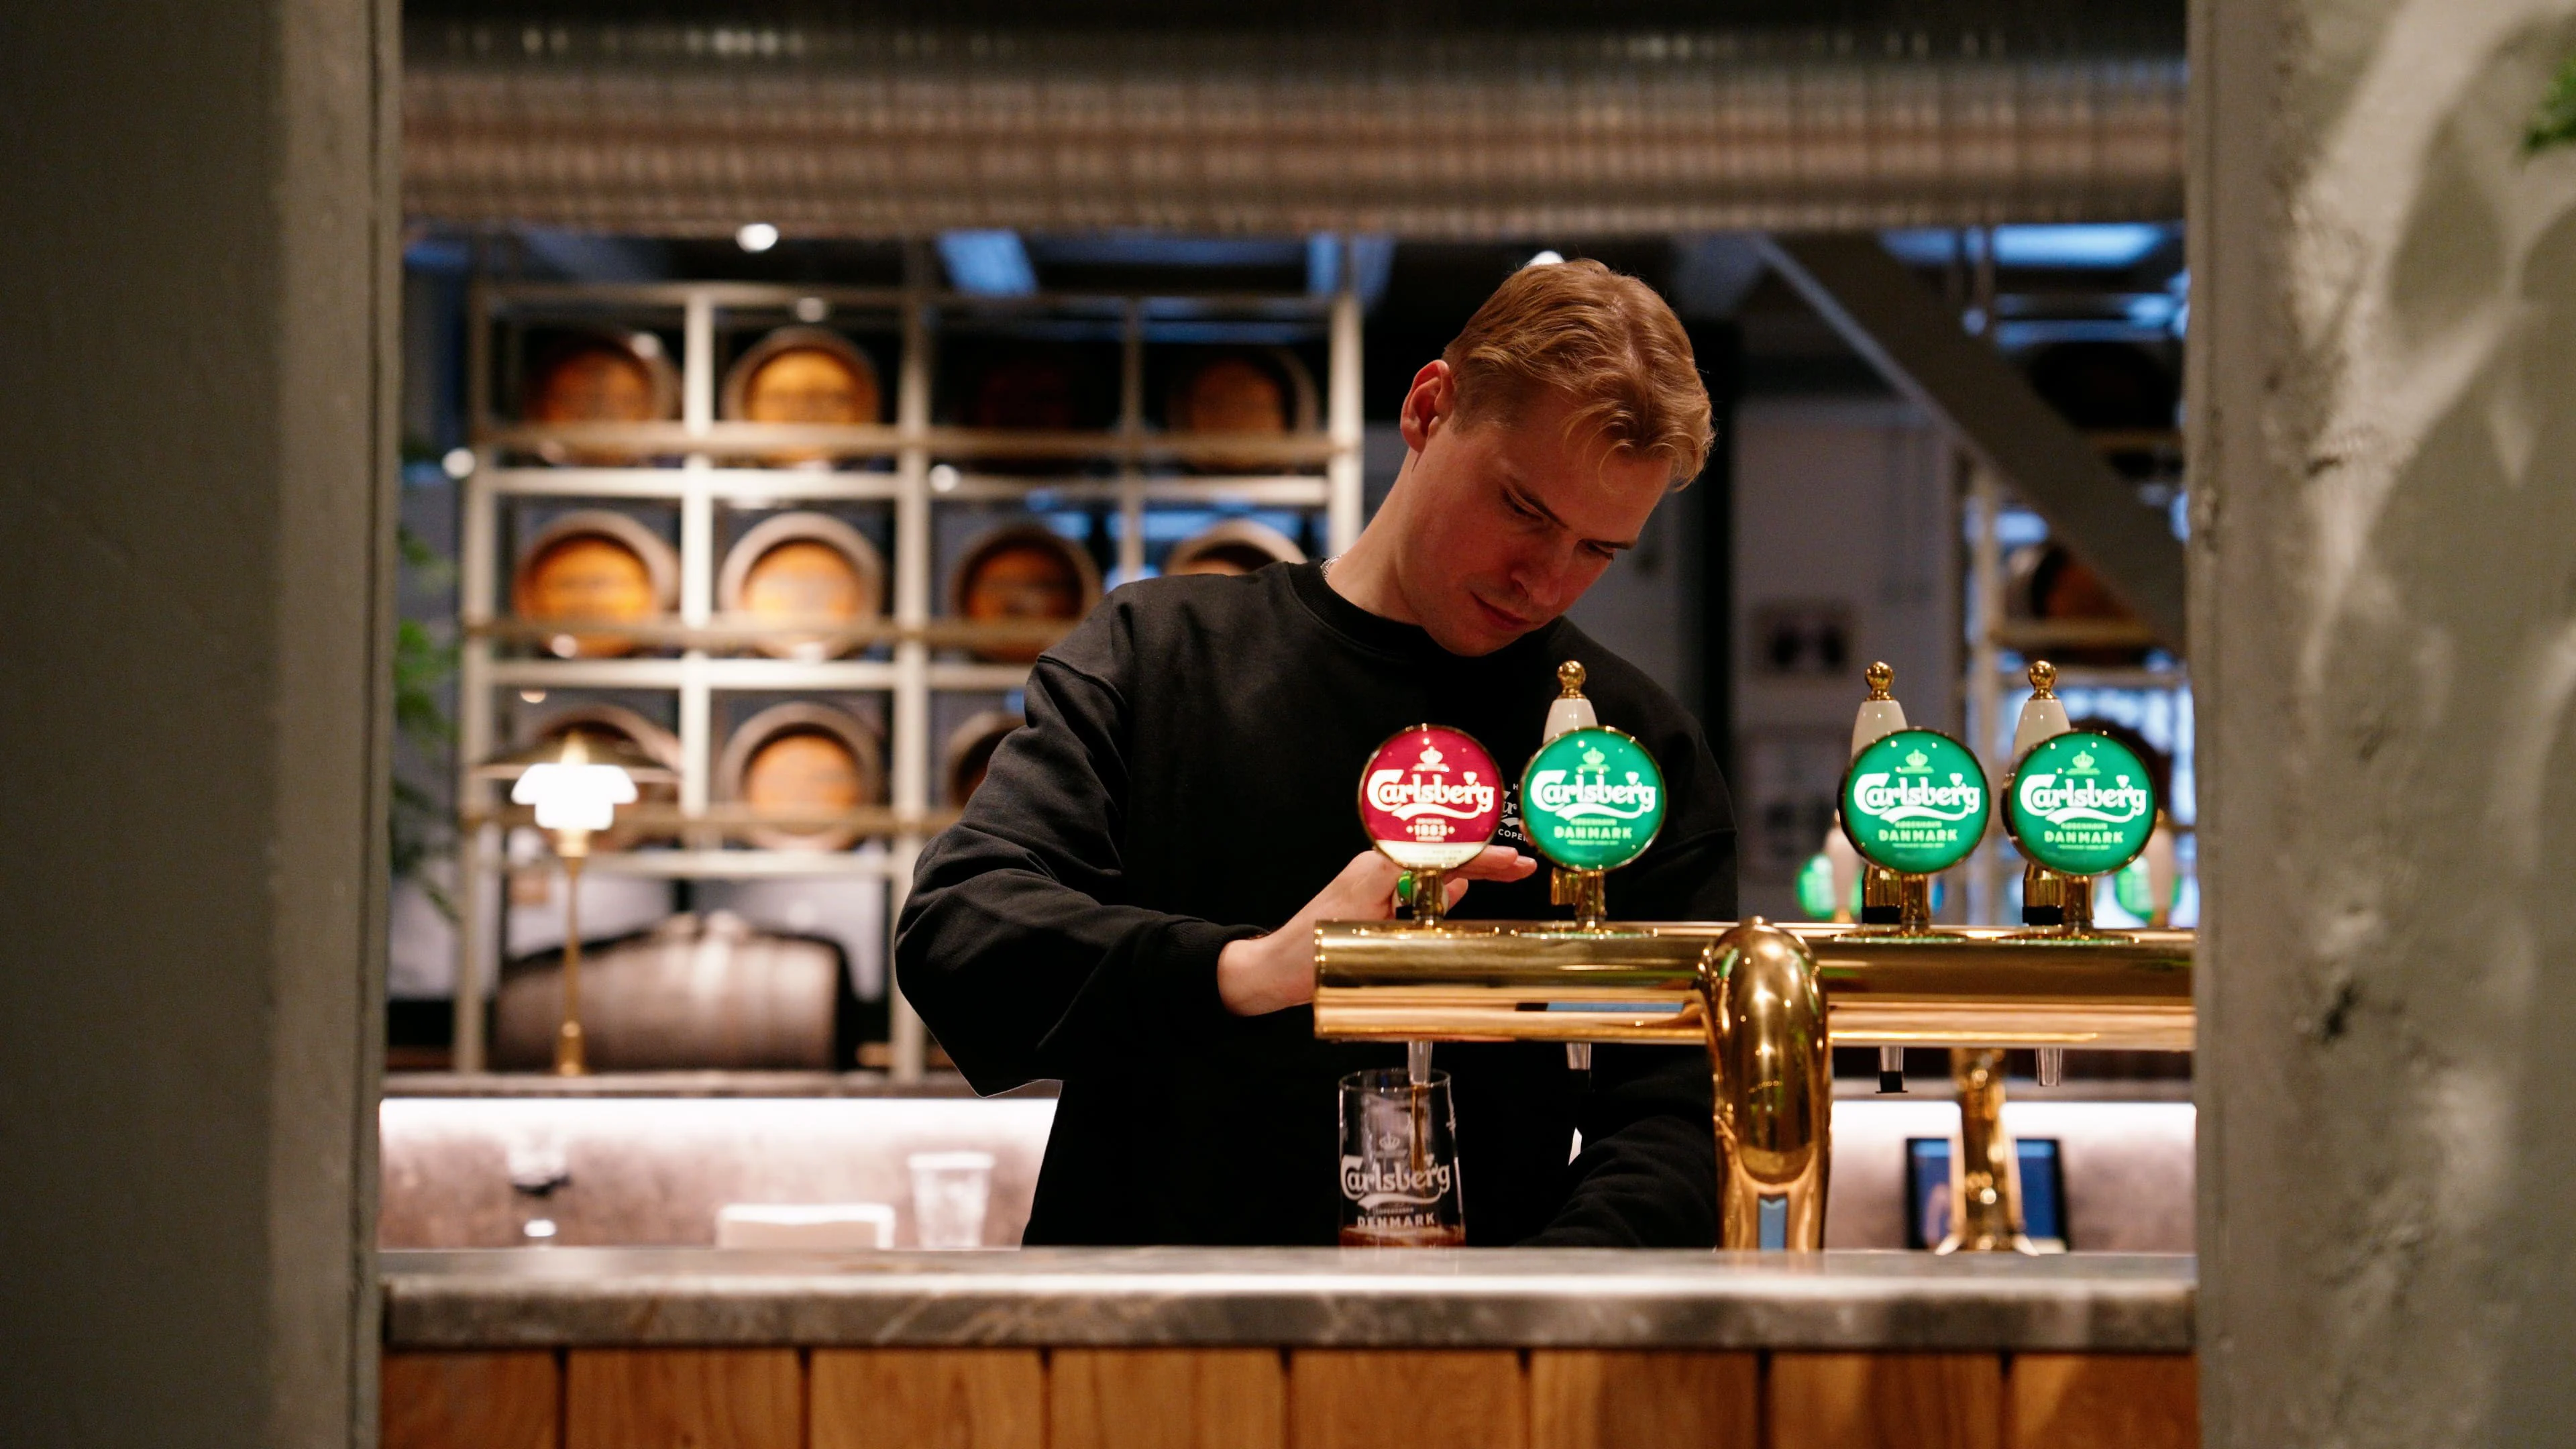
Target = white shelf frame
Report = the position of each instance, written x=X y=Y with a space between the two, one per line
x=710 y=474
x=1989 y=683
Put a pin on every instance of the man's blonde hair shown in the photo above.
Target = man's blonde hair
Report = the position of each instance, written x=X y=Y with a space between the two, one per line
x=1602 y=339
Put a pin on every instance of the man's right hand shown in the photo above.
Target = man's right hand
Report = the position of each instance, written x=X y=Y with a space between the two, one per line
x=1272 y=973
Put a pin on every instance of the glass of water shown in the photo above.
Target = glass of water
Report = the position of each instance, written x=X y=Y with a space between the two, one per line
x=950 y=1191
x=1400 y=1184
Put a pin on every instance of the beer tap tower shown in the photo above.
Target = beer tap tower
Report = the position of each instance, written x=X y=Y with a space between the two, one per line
x=1768 y=1001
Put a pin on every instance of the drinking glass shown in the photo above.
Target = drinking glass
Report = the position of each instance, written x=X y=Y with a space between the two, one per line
x=1400 y=1162
x=949 y=1194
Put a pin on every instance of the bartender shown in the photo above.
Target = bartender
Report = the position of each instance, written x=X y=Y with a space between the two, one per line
x=1128 y=904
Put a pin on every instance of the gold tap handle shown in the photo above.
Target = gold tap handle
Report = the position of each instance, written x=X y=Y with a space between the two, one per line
x=1882 y=677
x=1569 y=678
x=2043 y=679
x=1430 y=895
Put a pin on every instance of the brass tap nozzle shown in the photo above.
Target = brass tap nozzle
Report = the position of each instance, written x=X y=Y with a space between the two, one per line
x=2043 y=679
x=1881 y=677
x=1763 y=1007
x=1570 y=676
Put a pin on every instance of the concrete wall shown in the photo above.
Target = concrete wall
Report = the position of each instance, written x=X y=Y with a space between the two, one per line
x=2384 y=638
x=196 y=261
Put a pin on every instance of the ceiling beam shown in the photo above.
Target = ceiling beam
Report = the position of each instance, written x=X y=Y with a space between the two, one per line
x=1990 y=408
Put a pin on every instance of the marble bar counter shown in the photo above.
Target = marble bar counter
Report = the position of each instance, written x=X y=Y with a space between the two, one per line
x=1289 y=1297
x=588 y=1348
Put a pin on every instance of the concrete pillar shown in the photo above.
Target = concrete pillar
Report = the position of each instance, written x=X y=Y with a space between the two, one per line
x=2383 y=621
x=196 y=282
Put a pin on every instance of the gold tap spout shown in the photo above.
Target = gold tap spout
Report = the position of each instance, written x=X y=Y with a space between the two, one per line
x=1764 y=1015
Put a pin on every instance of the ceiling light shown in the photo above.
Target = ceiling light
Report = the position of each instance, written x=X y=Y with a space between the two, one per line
x=1547 y=258
x=758 y=236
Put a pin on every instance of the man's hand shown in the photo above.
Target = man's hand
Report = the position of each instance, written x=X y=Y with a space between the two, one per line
x=1274 y=972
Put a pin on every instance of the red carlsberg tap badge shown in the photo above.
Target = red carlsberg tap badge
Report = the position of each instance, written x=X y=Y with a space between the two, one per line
x=1431 y=798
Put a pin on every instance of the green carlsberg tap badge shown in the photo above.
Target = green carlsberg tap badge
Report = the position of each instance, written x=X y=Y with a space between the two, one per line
x=1915 y=802
x=2080 y=804
x=1592 y=799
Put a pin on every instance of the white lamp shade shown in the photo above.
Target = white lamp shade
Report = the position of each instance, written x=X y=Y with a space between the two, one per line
x=574 y=797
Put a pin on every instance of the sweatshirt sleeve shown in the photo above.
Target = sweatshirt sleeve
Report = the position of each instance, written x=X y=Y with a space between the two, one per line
x=1014 y=944
x=1647 y=1174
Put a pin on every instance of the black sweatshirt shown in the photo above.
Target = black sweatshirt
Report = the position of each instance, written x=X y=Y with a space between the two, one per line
x=1189 y=775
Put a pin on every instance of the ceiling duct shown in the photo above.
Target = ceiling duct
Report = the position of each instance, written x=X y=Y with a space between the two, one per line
x=692 y=129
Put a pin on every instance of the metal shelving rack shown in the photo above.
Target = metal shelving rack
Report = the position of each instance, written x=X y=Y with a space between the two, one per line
x=711 y=473
x=1993 y=688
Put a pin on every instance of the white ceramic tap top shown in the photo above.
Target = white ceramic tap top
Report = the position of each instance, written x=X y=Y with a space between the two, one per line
x=2043 y=715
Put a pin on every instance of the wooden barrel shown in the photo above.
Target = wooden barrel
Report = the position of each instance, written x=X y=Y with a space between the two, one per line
x=803 y=375
x=1034 y=388
x=692 y=994
x=1236 y=546
x=605 y=724
x=600 y=377
x=595 y=564
x=1254 y=391
x=801 y=568
x=802 y=756
x=1023 y=571
x=970 y=752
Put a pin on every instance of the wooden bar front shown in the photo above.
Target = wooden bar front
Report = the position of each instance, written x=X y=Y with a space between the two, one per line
x=1237 y=1398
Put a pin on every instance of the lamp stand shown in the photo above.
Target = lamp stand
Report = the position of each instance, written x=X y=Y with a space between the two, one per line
x=574 y=847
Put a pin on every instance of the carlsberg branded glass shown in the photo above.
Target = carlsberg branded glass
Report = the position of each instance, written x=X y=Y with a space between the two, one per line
x=1400 y=1162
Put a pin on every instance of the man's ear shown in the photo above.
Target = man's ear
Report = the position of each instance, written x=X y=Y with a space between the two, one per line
x=1429 y=405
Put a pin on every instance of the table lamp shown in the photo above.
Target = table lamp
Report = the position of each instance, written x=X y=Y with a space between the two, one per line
x=575 y=781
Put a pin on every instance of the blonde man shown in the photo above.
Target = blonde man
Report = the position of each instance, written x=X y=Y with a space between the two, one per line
x=1127 y=904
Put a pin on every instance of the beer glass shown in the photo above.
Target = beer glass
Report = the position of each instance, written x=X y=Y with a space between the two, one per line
x=1400 y=1162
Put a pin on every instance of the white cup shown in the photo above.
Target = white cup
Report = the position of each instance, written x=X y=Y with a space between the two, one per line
x=949 y=1193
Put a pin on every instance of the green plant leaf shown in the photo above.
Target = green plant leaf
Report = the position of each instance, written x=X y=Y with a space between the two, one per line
x=2554 y=124
x=423 y=660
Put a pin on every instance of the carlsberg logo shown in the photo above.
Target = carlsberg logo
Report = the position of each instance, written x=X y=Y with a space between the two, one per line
x=2078 y=797
x=1885 y=796
x=1377 y=1186
x=1427 y=793
x=1586 y=792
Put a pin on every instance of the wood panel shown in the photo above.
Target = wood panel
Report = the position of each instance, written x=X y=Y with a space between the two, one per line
x=929 y=1398
x=2105 y=1401
x=1887 y=1401
x=684 y=1398
x=1592 y=1400
x=1407 y=1399
x=472 y=1400
x=1167 y=1398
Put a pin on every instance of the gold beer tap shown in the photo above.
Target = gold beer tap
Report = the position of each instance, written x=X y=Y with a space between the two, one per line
x=1887 y=897
x=1763 y=1008
x=1585 y=890
x=1769 y=1001
x=1985 y=1175
x=2048 y=899
x=1734 y=988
